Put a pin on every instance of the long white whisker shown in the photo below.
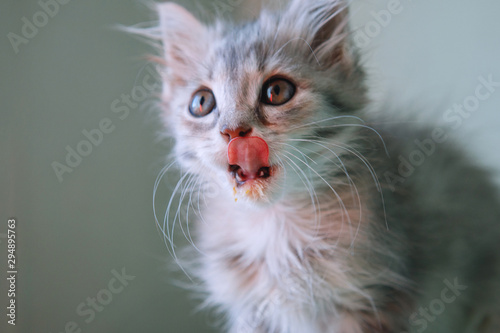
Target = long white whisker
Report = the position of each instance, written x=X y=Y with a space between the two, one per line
x=301 y=153
x=184 y=191
x=324 y=120
x=165 y=223
x=352 y=185
x=190 y=204
x=198 y=202
x=341 y=202
x=167 y=212
x=302 y=39
x=162 y=173
x=167 y=237
x=310 y=189
x=363 y=126
x=365 y=162
x=374 y=176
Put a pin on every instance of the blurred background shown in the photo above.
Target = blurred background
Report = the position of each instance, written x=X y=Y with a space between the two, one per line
x=89 y=257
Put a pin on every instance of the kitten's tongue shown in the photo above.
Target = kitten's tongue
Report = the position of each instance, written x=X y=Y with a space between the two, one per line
x=249 y=153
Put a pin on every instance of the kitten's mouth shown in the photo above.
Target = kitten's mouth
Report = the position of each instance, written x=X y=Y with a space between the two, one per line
x=248 y=164
x=254 y=187
x=241 y=176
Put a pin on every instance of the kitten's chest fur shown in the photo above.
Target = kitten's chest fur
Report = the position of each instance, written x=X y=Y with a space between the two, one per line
x=270 y=266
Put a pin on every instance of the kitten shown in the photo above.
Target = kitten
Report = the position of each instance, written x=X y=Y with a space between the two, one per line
x=307 y=217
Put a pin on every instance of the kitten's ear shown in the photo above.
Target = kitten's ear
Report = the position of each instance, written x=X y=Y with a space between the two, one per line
x=327 y=25
x=184 y=40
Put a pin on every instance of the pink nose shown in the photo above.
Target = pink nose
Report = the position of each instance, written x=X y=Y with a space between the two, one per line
x=248 y=158
x=229 y=134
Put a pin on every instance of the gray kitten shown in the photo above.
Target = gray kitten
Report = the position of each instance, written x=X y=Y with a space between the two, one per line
x=308 y=217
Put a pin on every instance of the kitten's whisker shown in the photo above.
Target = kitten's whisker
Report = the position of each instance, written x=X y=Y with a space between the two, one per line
x=196 y=137
x=302 y=39
x=317 y=225
x=184 y=191
x=165 y=225
x=352 y=151
x=155 y=189
x=189 y=205
x=341 y=202
x=366 y=163
x=324 y=120
x=310 y=188
x=363 y=126
x=197 y=187
x=352 y=185
x=373 y=174
x=167 y=214
x=282 y=165
x=304 y=155
x=200 y=191
x=341 y=166
x=179 y=204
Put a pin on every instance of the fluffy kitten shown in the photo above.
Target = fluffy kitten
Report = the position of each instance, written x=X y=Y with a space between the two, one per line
x=308 y=219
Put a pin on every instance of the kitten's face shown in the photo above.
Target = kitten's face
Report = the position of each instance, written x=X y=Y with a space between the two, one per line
x=262 y=87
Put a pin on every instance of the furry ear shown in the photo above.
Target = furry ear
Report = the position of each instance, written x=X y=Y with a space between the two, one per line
x=326 y=23
x=184 y=41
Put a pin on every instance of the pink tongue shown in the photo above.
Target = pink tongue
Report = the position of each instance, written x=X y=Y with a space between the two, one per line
x=249 y=153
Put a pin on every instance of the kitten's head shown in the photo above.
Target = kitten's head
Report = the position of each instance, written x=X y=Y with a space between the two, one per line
x=243 y=101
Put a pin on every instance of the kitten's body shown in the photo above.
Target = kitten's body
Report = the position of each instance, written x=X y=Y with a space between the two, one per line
x=272 y=271
x=340 y=238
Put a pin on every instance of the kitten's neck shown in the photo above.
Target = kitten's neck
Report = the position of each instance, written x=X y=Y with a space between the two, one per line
x=283 y=232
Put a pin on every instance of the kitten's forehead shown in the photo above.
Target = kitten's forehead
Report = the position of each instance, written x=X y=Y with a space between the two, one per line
x=258 y=46
x=240 y=51
x=238 y=67
x=237 y=82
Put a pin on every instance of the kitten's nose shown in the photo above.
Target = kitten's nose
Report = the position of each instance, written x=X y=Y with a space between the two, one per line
x=228 y=134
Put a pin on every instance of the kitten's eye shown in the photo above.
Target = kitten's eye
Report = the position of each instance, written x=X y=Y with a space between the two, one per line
x=277 y=91
x=203 y=103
